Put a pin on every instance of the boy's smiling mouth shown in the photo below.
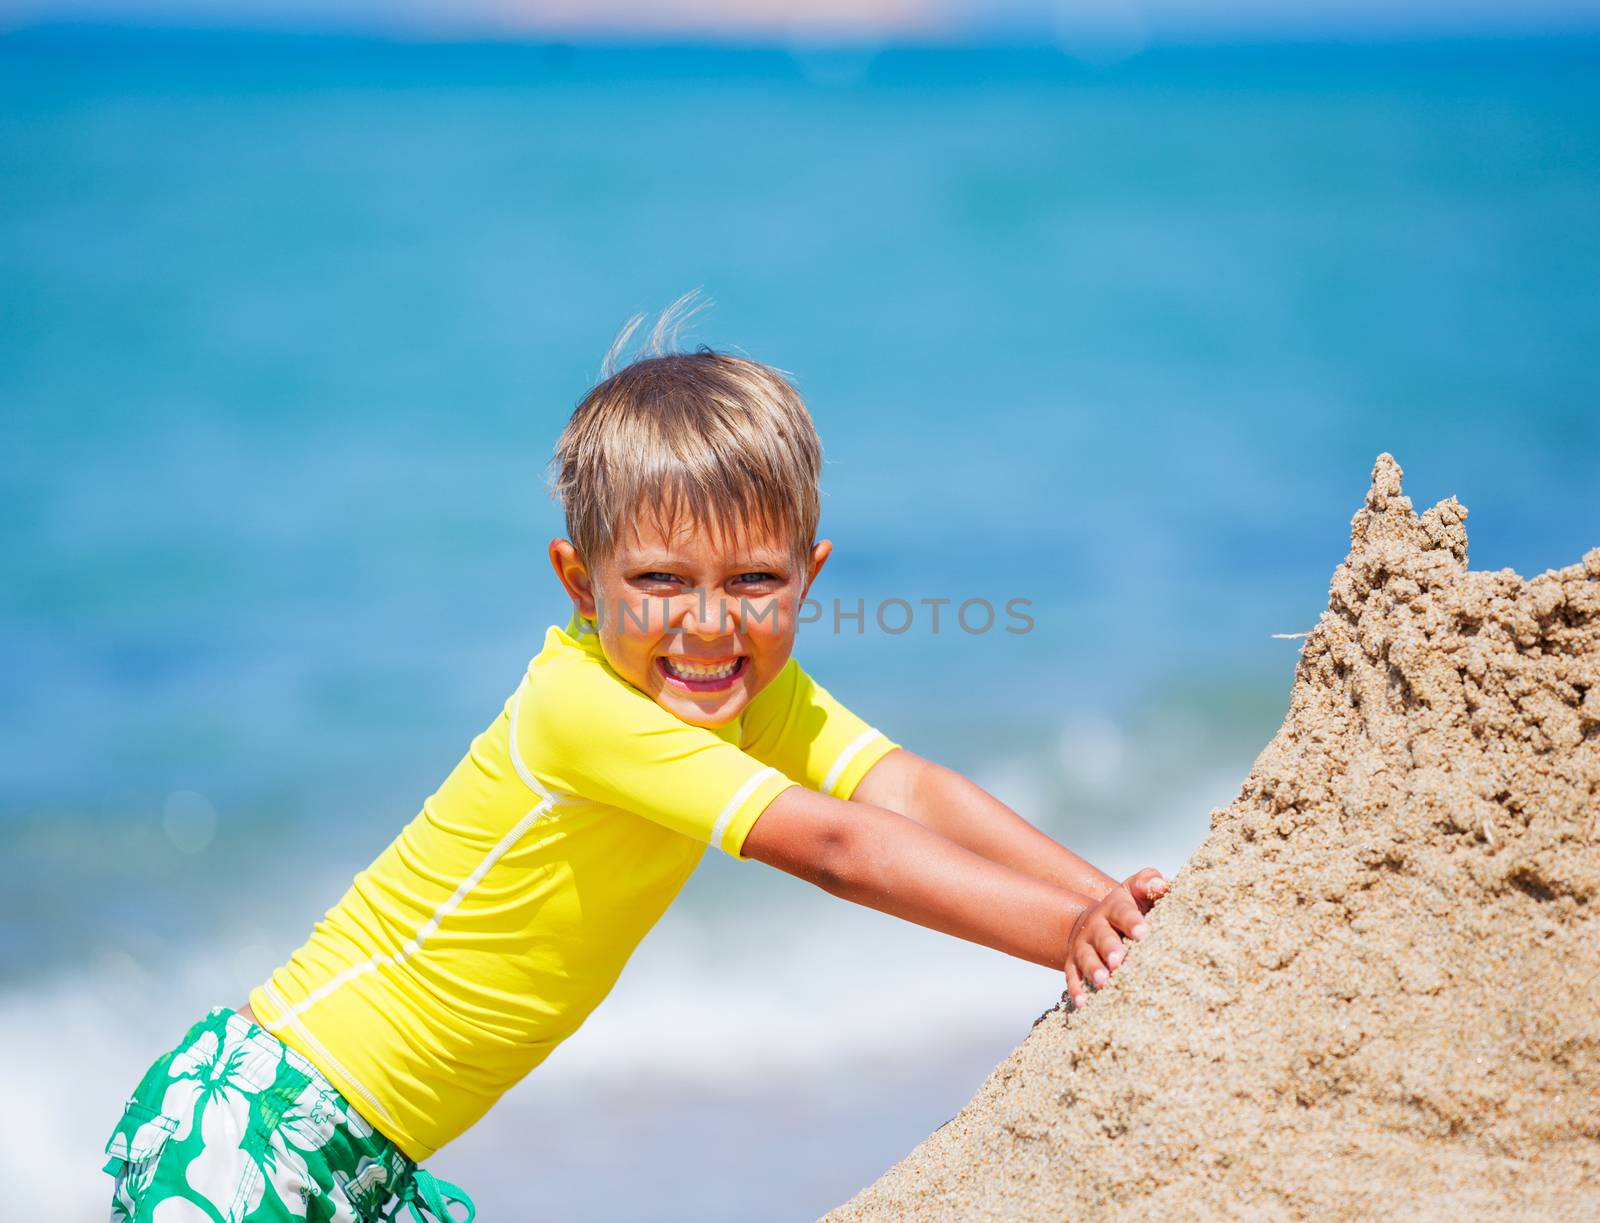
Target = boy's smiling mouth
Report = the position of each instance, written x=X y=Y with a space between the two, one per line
x=695 y=676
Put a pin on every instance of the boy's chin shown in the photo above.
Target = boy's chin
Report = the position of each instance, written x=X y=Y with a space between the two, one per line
x=710 y=714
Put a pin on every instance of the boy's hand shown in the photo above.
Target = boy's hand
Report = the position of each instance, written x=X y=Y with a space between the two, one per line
x=1094 y=948
x=1146 y=887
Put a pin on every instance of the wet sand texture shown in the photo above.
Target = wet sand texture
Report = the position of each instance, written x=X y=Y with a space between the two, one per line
x=1375 y=990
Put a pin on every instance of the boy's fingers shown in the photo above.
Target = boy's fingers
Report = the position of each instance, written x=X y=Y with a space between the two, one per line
x=1125 y=918
x=1094 y=971
x=1075 y=989
x=1109 y=944
x=1147 y=887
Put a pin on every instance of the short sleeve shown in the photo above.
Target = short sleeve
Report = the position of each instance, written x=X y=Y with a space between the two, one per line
x=582 y=729
x=796 y=726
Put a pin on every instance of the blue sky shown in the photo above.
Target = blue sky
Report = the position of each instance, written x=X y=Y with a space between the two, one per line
x=1131 y=21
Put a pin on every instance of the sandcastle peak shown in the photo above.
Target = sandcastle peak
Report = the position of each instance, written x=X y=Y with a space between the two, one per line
x=1372 y=991
x=1389 y=542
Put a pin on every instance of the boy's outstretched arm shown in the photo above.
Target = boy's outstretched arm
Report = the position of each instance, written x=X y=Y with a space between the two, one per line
x=886 y=861
x=964 y=812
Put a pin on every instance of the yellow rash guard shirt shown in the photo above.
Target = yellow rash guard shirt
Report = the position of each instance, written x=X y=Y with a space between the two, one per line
x=503 y=914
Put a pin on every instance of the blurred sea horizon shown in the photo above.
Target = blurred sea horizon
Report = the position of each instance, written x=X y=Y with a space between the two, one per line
x=288 y=326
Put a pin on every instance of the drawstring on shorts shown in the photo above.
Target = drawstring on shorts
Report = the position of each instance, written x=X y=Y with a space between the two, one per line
x=436 y=1197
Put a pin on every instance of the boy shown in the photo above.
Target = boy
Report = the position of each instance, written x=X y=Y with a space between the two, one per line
x=668 y=715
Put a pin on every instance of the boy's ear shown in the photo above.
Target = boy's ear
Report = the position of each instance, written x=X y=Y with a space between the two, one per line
x=819 y=556
x=574 y=576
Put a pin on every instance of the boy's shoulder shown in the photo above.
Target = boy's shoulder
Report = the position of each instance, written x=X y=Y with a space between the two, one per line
x=572 y=664
x=573 y=696
x=579 y=639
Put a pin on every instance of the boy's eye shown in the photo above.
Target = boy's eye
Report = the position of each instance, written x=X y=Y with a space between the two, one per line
x=754 y=576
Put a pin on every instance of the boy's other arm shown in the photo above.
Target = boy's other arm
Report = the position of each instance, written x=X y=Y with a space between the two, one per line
x=962 y=811
x=886 y=861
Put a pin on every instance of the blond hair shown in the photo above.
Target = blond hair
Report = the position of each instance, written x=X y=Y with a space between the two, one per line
x=719 y=439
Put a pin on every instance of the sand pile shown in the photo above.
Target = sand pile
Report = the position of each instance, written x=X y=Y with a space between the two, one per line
x=1375 y=991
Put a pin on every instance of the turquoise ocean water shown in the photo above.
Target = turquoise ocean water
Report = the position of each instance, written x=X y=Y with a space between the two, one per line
x=288 y=327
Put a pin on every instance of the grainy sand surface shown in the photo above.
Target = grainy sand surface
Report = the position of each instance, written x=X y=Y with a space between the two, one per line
x=1375 y=990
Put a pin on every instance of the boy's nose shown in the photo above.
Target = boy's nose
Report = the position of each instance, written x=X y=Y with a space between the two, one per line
x=709 y=617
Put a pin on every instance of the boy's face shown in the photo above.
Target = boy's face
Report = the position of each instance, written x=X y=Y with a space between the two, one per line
x=698 y=622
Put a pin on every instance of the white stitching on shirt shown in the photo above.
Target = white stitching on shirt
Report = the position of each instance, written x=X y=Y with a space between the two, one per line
x=737 y=801
x=517 y=761
x=290 y=1015
x=317 y=1046
x=428 y=928
x=846 y=756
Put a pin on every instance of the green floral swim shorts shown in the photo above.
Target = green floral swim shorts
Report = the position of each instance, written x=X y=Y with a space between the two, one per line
x=233 y=1126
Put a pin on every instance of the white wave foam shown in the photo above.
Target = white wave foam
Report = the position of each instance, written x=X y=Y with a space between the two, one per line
x=772 y=999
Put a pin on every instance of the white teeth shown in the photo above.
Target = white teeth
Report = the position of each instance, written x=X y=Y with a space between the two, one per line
x=688 y=670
